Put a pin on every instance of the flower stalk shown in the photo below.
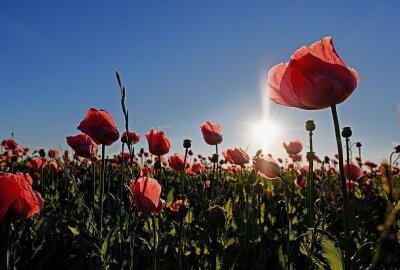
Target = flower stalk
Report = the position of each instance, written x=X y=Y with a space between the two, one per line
x=343 y=187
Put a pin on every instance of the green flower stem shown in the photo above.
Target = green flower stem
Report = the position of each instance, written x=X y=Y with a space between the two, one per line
x=6 y=245
x=288 y=221
x=94 y=183
x=310 y=184
x=121 y=186
x=154 y=243
x=103 y=171
x=343 y=186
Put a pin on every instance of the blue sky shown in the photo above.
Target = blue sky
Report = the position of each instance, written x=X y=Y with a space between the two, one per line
x=185 y=62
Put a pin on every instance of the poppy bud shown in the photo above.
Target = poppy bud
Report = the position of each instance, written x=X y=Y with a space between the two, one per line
x=326 y=159
x=214 y=158
x=310 y=125
x=141 y=151
x=397 y=149
x=346 y=132
x=216 y=218
x=42 y=153
x=187 y=143
x=358 y=144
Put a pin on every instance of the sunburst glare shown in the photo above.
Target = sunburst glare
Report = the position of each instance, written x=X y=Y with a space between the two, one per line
x=265 y=134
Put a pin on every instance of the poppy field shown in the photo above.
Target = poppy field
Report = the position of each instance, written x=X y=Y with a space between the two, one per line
x=148 y=208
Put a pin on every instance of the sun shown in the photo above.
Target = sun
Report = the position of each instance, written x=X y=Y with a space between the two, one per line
x=265 y=134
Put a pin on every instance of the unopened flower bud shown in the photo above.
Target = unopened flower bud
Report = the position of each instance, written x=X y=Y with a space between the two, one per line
x=358 y=144
x=187 y=143
x=397 y=149
x=310 y=125
x=214 y=158
x=42 y=153
x=346 y=132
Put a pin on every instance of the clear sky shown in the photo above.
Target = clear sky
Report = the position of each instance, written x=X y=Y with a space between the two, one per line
x=185 y=62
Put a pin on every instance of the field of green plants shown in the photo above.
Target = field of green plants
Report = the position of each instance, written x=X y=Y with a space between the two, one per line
x=153 y=209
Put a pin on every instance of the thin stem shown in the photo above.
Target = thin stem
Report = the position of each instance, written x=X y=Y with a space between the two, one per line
x=154 y=243
x=215 y=170
x=41 y=176
x=183 y=174
x=288 y=222
x=182 y=218
x=6 y=245
x=94 y=183
x=121 y=198
x=103 y=170
x=310 y=185
x=349 y=173
x=343 y=186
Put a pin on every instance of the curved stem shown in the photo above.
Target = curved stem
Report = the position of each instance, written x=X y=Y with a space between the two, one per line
x=343 y=187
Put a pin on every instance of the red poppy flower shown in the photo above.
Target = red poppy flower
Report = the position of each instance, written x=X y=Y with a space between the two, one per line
x=211 y=133
x=267 y=167
x=355 y=172
x=132 y=138
x=55 y=167
x=9 y=144
x=158 y=142
x=236 y=156
x=17 y=198
x=36 y=164
x=175 y=206
x=100 y=126
x=146 y=194
x=350 y=185
x=53 y=153
x=83 y=145
x=176 y=162
x=294 y=147
x=196 y=168
x=299 y=182
x=315 y=78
